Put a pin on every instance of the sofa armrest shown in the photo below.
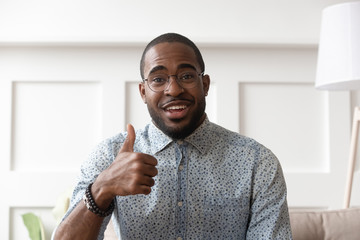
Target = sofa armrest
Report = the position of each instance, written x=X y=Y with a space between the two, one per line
x=335 y=224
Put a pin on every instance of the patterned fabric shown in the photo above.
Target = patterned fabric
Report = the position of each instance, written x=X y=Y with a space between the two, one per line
x=215 y=184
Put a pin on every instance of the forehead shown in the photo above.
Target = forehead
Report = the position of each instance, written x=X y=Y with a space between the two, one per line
x=170 y=56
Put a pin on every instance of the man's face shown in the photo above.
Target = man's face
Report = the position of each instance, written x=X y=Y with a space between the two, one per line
x=176 y=111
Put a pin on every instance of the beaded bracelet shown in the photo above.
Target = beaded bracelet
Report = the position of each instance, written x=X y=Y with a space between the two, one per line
x=91 y=205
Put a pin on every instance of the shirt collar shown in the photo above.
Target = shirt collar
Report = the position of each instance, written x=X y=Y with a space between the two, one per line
x=158 y=140
x=200 y=138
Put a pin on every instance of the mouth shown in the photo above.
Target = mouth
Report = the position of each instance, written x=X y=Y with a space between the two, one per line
x=177 y=109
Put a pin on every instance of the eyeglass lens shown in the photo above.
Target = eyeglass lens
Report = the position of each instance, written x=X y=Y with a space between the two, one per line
x=160 y=81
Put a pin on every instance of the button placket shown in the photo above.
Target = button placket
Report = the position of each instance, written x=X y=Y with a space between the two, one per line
x=181 y=195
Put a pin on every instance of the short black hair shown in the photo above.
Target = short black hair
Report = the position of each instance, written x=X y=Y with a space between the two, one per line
x=172 y=37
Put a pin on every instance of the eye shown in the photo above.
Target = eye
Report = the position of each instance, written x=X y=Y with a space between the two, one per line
x=159 y=79
x=187 y=76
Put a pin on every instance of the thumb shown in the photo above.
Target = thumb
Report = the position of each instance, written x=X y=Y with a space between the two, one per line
x=128 y=145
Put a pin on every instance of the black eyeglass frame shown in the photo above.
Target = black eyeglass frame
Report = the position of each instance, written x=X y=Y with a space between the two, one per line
x=168 y=81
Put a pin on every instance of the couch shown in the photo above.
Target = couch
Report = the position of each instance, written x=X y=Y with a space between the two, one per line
x=341 y=224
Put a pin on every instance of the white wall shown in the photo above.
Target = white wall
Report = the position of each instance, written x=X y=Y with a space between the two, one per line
x=69 y=75
x=228 y=21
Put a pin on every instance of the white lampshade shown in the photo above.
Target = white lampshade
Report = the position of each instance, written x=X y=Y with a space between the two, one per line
x=338 y=66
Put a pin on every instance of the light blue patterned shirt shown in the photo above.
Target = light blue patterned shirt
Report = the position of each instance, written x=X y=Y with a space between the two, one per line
x=216 y=184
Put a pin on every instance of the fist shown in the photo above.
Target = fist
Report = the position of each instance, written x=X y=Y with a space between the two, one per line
x=131 y=173
x=136 y=170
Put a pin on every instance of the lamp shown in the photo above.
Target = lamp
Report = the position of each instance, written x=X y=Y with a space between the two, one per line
x=338 y=66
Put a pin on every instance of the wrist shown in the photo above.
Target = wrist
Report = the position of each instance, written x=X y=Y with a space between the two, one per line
x=102 y=194
x=92 y=206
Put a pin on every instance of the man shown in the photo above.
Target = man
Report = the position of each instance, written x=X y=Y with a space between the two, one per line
x=181 y=177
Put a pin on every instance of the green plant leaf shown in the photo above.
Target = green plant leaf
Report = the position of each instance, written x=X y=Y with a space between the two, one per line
x=34 y=226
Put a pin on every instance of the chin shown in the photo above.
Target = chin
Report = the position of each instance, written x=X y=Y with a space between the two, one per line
x=178 y=133
x=179 y=128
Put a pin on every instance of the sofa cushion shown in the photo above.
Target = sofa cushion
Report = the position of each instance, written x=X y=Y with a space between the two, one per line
x=327 y=225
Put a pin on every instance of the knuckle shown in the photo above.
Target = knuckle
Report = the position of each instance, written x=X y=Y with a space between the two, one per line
x=132 y=188
x=137 y=155
x=136 y=166
x=136 y=178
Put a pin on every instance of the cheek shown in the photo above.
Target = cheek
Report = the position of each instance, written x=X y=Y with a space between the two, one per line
x=147 y=95
x=199 y=94
x=151 y=99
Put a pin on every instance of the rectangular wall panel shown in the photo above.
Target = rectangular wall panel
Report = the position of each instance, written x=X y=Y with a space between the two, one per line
x=291 y=120
x=55 y=124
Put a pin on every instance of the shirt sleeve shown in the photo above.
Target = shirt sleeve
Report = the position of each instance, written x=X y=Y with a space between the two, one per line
x=269 y=216
x=98 y=161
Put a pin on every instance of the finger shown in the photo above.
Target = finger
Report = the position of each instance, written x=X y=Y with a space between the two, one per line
x=139 y=189
x=128 y=145
x=143 y=189
x=150 y=160
x=147 y=181
x=150 y=171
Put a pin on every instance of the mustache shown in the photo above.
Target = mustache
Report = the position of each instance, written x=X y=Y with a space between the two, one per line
x=174 y=99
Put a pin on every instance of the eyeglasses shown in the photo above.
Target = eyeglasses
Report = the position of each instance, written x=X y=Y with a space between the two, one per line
x=158 y=82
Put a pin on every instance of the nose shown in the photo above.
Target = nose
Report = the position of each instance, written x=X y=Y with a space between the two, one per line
x=174 y=88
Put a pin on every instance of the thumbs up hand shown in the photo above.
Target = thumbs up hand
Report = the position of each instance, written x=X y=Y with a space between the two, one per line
x=131 y=173
x=128 y=145
x=137 y=169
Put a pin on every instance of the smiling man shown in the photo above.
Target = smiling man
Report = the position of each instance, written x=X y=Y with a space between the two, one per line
x=181 y=177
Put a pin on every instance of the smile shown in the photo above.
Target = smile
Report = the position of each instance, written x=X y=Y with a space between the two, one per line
x=174 y=108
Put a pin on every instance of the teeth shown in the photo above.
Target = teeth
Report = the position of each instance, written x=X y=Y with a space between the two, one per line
x=176 y=107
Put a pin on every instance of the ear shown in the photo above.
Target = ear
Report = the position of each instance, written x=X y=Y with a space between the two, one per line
x=206 y=84
x=142 y=91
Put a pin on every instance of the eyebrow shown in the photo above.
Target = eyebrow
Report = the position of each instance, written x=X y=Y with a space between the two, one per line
x=186 y=65
x=157 y=68
x=181 y=66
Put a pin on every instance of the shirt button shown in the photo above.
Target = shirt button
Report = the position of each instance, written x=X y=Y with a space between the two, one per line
x=181 y=167
x=179 y=238
x=180 y=142
x=180 y=204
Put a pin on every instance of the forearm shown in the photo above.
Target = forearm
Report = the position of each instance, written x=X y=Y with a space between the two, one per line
x=129 y=174
x=80 y=224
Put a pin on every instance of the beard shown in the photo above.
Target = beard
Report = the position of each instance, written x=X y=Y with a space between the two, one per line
x=179 y=132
